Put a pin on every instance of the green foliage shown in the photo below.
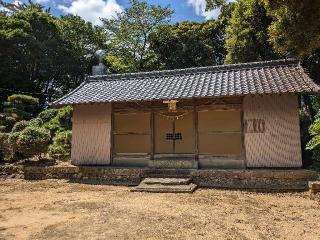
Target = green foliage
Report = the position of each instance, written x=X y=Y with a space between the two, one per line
x=13 y=144
x=213 y=4
x=44 y=54
x=314 y=131
x=35 y=122
x=81 y=39
x=295 y=28
x=129 y=33
x=3 y=123
x=19 y=126
x=32 y=138
x=23 y=99
x=30 y=47
x=18 y=107
x=314 y=143
x=31 y=141
x=10 y=121
x=21 y=107
x=119 y=64
x=48 y=114
x=61 y=146
x=189 y=44
x=247 y=34
x=5 y=152
x=61 y=122
x=2 y=129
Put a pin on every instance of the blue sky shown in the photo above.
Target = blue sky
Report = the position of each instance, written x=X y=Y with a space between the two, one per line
x=92 y=10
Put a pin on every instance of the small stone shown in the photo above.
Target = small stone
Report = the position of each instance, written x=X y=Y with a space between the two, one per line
x=314 y=186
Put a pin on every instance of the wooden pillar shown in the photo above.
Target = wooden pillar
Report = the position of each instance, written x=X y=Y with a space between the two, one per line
x=243 y=152
x=195 y=129
x=112 y=135
x=152 y=135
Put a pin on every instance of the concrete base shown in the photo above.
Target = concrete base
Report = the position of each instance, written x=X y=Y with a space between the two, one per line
x=260 y=179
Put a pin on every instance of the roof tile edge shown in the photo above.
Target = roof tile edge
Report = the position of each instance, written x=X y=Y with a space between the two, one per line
x=224 y=67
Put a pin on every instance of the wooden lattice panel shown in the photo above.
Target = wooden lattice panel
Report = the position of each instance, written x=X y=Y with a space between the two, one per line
x=272 y=135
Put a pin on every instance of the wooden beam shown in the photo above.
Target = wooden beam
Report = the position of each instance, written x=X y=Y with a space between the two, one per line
x=131 y=133
x=220 y=132
x=219 y=107
x=131 y=154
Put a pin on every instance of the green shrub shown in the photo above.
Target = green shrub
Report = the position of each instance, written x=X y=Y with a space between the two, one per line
x=31 y=138
x=17 y=107
x=6 y=123
x=314 y=142
x=13 y=141
x=21 y=107
x=48 y=114
x=31 y=141
x=35 y=122
x=10 y=121
x=61 y=122
x=19 y=126
x=20 y=98
x=3 y=126
x=61 y=146
x=2 y=129
x=5 y=150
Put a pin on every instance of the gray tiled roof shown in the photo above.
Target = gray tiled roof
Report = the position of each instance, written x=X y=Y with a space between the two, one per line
x=271 y=77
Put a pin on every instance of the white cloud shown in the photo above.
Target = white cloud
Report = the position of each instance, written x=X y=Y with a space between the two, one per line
x=4 y=9
x=200 y=9
x=92 y=10
x=17 y=2
x=42 y=1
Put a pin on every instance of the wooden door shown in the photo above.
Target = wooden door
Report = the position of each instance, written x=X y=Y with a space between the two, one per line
x=162 y=126
x=220 y=133
x=186 y=128
x=174 y=136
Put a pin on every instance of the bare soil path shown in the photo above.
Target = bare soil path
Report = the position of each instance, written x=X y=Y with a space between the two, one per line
x=60 y=210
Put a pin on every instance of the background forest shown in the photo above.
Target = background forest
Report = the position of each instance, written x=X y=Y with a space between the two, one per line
x=42 y=57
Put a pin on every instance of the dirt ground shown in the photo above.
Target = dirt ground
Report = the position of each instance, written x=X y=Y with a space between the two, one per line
x=59 y=210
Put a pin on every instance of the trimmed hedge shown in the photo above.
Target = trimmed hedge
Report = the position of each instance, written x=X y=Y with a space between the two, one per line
x=61 y=147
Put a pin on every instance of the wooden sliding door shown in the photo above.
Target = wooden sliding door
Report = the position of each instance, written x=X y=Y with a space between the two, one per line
x=131 y=138
x=174 y=136
x=220 y=138
x=220 y=132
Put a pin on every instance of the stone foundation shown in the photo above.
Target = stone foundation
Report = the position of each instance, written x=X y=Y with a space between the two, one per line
x=103 y=175
x=260 y=179
x=11 y=171
x=256 y=179
x=173 y=164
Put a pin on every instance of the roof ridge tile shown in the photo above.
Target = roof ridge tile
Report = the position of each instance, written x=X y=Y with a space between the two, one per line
x=193 y=70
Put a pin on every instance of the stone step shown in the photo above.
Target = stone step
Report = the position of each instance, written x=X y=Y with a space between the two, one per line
x=173 y=163
x=160 y=188
x=167 y=181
